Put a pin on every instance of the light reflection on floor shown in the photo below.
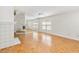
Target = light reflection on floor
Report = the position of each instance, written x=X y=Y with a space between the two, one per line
x=35 y=35
x=46 y=39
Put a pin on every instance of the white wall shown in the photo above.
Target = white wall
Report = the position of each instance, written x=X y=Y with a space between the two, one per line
x=7 y=27
x=6 y=14
x=20 y=21
x=6 y=23
x=66 y=24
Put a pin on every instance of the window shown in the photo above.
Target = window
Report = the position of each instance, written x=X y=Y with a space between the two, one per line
x=46 y=25
x=30 y=25
x=35 y=25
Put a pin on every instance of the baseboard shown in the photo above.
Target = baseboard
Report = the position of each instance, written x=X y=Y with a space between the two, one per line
x=65 y=36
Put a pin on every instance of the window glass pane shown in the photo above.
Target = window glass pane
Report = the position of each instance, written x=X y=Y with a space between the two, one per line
x=48 y=23
x=35 y=25
x=44 y=27
x=48 y=27
x=43 y=23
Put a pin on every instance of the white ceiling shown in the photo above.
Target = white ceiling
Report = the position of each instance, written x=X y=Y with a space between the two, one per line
x=32 y=12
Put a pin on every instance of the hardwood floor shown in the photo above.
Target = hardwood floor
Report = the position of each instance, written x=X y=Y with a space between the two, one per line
x=30 y=44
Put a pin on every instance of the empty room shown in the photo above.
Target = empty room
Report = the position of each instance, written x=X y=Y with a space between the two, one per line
x=39 y=29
